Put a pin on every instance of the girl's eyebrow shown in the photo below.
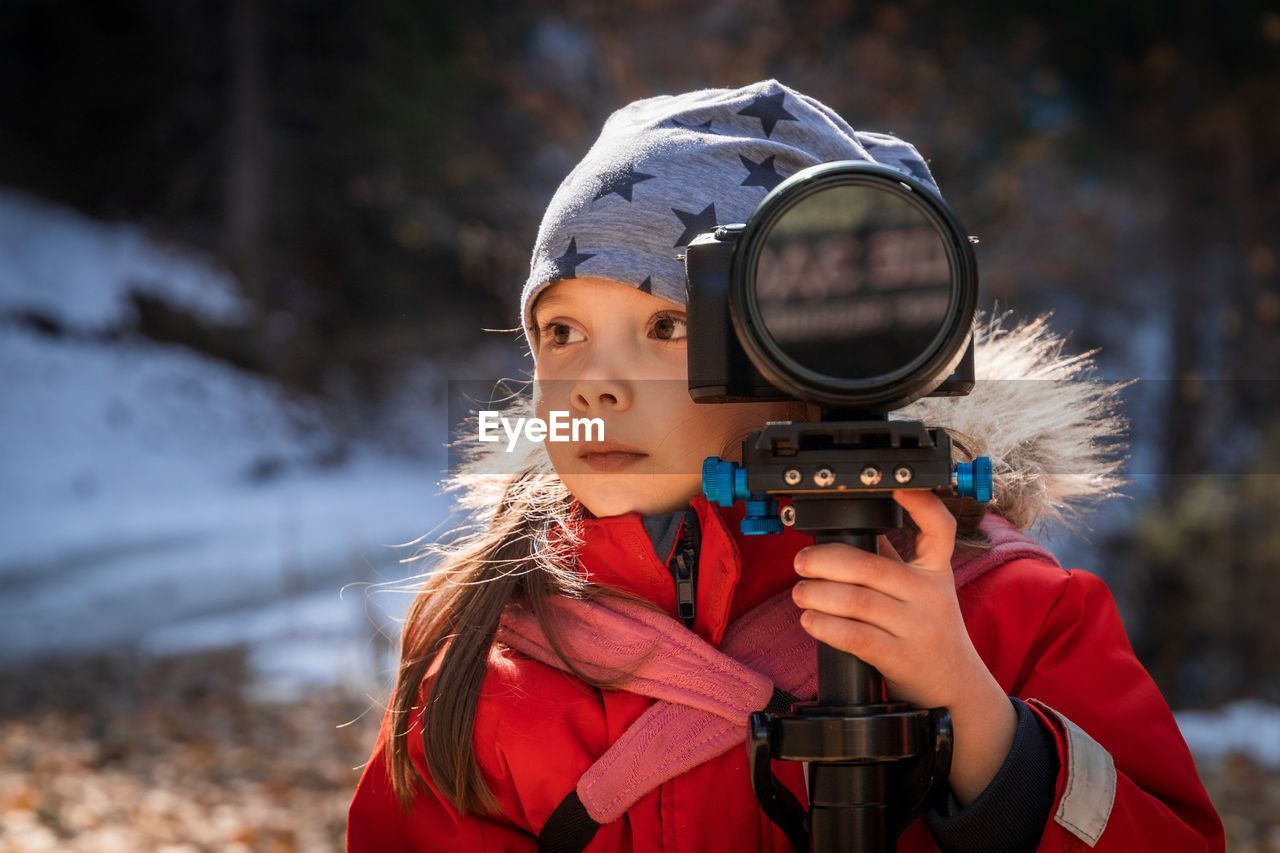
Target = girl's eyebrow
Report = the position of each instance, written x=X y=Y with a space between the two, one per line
x=550 y=300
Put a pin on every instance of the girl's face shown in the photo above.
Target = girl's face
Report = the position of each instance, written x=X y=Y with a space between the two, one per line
x=610 y=351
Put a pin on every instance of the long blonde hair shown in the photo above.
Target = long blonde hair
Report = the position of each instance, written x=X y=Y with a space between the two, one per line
x=524 y=530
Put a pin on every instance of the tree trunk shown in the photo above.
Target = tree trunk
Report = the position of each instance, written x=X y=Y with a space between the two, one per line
x=247 y=155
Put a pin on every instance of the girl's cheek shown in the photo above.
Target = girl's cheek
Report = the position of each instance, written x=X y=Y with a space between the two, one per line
x=674 y=364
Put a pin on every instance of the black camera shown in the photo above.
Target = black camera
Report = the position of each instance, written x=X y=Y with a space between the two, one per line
x=852 y=285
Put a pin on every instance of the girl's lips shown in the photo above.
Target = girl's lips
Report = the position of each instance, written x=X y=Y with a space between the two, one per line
x=612 y=461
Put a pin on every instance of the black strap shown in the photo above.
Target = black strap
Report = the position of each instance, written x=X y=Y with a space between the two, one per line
x=570 y=829
x=780 y=701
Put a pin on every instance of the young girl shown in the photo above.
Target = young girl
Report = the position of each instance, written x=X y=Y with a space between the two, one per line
x=577 y=672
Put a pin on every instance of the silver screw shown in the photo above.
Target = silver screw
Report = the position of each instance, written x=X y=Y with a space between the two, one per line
x=788 y=516
x=902 y=474
x=870 y=475
x=792 y=476
x=824 y=477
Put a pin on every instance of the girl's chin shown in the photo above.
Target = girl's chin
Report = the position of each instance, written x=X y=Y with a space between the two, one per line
x=606 y=495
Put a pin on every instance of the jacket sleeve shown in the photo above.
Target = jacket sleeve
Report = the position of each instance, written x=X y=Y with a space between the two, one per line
x=1010 y=812
x=376 y=823
x=1126 y=779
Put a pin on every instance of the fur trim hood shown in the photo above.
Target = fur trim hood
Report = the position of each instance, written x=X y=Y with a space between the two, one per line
x=1054 y=434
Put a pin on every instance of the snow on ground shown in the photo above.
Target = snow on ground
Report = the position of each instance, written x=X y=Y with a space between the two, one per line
x=76 y=268
x=1249 y=727
x=157 y=499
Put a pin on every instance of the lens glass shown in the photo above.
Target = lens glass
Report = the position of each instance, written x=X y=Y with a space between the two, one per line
x=853 y=282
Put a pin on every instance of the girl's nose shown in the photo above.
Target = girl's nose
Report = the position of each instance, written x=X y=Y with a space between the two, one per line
x=597 y=394
x=598 y=386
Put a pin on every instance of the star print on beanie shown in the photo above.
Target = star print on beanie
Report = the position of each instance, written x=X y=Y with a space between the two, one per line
x=670 y=167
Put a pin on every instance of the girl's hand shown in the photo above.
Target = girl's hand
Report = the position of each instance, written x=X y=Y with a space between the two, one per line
x=902 y=618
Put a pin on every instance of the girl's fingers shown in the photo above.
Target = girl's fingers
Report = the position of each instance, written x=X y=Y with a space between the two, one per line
x=868 y=642
x=851 y=601
x=937 y=538
x=836 y=561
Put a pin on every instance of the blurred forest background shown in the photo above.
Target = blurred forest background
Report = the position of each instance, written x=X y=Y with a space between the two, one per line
x=245 y=244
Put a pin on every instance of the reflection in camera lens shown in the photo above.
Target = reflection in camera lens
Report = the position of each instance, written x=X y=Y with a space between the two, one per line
x=853 y=282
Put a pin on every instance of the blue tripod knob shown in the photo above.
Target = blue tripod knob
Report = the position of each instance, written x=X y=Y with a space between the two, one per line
x=761 y=518
x=725 y=483
x=973 y=479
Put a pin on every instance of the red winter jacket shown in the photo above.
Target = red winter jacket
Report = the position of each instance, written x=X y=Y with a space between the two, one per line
x=1052 y=637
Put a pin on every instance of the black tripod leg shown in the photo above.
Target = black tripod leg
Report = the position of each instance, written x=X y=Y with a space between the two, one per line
x=925 y=777
x=778 y=803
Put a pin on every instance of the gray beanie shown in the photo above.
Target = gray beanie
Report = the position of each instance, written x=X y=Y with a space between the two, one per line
x=668 y=168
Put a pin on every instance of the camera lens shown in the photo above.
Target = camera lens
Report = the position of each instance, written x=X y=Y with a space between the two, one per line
x=854 y=287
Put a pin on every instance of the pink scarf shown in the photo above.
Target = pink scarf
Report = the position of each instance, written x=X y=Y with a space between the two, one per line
x=704 y=694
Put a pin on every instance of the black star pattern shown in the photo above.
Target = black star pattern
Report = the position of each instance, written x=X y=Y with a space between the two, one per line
x=695 y=223
x=567 y=264
x=914 y=168
x=705 y=127
x=910 y=165
x=769 y=109
x=621 y=182
x=761 y=174
x=646 y=286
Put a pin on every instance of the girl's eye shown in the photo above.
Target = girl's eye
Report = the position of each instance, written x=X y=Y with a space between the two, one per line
x=671 y=327
x=559 y=332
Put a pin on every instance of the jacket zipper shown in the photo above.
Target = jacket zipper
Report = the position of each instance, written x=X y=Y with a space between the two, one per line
x=684 y=569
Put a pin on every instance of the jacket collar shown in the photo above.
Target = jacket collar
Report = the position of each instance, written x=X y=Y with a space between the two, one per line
x=733 y=575
x=736 y=572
